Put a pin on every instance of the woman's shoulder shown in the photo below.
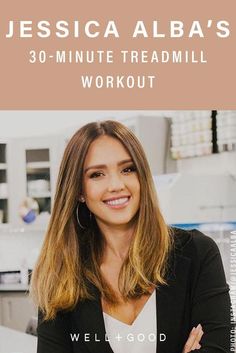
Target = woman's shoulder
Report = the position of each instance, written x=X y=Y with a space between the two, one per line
x=190 y=242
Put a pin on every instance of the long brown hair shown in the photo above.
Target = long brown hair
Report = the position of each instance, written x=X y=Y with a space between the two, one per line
x=70 y=257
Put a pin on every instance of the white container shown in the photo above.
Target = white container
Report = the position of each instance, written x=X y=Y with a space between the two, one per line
x=9 y=278
x=3 y=190
x=24 y=275
x=37 y=186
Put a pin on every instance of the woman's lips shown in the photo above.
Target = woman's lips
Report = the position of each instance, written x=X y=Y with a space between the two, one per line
x=117 y=202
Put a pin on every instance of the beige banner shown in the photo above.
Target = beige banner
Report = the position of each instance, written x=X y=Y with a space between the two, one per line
x=141 y=74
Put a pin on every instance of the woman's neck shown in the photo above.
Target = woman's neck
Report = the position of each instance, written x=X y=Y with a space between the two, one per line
x=117 y=241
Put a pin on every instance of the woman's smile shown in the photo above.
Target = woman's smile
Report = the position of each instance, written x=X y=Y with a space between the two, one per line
x=117 y=202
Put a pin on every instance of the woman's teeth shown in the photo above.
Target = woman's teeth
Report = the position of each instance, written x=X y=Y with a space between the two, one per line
x=117 y=201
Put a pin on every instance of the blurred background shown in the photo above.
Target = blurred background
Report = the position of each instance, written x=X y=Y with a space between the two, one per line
x=192 y=155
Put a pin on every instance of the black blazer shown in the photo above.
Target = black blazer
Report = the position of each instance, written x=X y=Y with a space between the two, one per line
x=197 y=292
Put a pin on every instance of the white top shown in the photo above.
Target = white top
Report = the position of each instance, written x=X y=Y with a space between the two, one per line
x=139 y=337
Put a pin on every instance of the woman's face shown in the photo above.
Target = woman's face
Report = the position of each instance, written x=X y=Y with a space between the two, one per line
x=110 y=183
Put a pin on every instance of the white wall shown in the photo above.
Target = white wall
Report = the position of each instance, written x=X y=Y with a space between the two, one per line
x=31 y=123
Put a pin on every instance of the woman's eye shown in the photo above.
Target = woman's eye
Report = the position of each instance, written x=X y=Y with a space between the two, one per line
x=96 y=175
x=130 y=169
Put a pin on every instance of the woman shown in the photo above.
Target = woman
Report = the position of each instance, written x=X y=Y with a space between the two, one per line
x=111 y=276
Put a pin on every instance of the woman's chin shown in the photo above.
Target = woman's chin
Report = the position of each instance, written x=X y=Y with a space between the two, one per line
x=116 y=221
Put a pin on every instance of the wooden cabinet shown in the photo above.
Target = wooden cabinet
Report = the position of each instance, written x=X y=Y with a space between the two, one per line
x=16 y=309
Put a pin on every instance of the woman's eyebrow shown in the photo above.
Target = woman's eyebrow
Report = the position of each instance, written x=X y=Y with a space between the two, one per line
x=97 y=166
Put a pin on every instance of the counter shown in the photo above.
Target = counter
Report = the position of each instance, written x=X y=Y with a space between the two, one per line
x=12 y=341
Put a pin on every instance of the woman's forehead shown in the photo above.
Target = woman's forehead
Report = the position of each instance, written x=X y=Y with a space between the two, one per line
x=106 y=149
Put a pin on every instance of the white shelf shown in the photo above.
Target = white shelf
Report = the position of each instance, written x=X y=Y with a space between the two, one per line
x=217 y=163
x=13 y=287
x=37 y=165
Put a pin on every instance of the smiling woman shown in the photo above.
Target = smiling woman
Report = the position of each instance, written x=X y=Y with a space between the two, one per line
x=110 y=266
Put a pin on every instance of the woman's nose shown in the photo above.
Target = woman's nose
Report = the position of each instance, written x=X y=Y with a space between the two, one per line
x=115 y=183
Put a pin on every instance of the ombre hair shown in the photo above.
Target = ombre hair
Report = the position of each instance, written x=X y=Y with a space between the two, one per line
x=69 y=263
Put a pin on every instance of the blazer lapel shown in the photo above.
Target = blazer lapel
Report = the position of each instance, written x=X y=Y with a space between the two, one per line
x=171 y=307
x=89 y=320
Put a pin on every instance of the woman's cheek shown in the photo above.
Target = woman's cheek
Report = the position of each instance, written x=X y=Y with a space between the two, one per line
x=95 y=190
